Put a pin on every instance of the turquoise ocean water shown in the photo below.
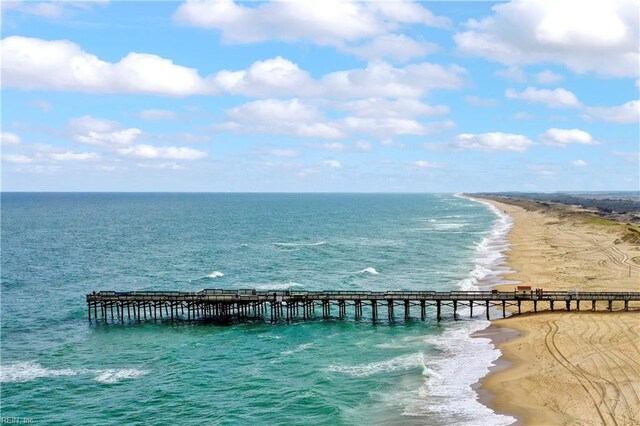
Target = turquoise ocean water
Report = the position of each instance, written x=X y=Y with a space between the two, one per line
x=56 y=368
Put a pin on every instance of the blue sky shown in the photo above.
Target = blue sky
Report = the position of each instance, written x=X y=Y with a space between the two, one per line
x=327 y=96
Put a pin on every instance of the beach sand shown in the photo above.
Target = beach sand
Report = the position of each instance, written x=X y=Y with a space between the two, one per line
x=569 y=368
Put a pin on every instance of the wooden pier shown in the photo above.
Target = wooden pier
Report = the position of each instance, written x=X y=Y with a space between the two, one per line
x=275 y=306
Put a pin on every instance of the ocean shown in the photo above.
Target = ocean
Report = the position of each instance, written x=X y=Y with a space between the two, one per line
x=57 y=368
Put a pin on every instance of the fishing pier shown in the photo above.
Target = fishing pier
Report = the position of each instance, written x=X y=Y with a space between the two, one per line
x=275 y=306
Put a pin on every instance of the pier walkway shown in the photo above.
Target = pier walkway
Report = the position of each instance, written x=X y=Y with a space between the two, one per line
x=246 y=305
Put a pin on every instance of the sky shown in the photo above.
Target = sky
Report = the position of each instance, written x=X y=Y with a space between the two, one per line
x=320 y=96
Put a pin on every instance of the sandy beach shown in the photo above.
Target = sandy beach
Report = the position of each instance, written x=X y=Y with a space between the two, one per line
x=576 y=368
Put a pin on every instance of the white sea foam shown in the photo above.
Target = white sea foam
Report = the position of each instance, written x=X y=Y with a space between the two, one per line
x=319 y=243
x=215 y=274
x=489 y=252
x=400 y=363
x=446 y=226
x=26 y=371
x=370 y=271
x=299 y=348
x=116 y=375
x=448 y=390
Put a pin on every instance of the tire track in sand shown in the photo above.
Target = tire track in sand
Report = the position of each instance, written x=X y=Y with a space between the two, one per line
x=589 y=387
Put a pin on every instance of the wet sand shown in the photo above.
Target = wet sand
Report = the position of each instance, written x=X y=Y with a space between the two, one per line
x=569 y=368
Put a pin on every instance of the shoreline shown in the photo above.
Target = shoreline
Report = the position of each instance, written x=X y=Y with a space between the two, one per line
x=559 y=255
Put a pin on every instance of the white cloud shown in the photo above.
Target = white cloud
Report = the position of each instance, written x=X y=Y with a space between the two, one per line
x=184 y=138
x=556 y=98
x=74 y=156
x=575 y=33
x=393 y=47
x=97 y=131
x=579 y=163
x=333 y=164
x=158 y=114
x=32 y=63
x=287 y=117
x=364 y=146
x=494 y=141
x=277 y=76
x=399 y=108
x=17 y=159
x=41 y=9
x=295 y=118
x=283 y=153
x=88 y=123
x=479 y=102
x=118 y=137
x=49 y=9
x=334 y=146
x=386 y=127
x=548 y=77
x=162 y=166
x=39 y=169
x=330 y=22
x=422 y=164
x=46 y=153
x=391 y=143
x=8 y=138
x=165 y=153
x=564 y=137
x=269 y=110
x=634 y=157
x=383 y=80
x=628 y=113
x=319 y=130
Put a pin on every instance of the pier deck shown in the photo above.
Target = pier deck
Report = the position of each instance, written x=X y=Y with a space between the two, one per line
x=242 y=305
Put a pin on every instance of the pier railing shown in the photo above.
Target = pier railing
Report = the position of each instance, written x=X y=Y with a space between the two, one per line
x=249 y=304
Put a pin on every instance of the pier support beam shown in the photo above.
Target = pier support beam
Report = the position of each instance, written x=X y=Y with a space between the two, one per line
x=470 y=308
x=342 y=309
x=488 y=319
x=407 y=310
x=423 y=310
x=390 y=310
x=374 y=310
x=455 y=310
x=438 y=310
x=504 y=310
